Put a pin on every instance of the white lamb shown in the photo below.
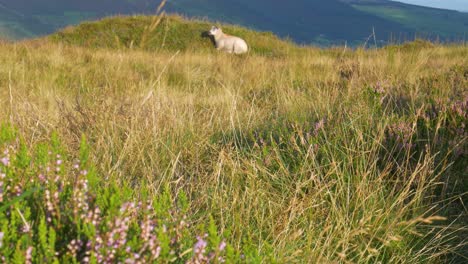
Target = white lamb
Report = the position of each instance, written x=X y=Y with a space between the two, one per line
x=230 y=44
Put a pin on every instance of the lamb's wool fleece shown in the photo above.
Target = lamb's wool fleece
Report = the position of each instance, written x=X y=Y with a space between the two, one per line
x=227 y=43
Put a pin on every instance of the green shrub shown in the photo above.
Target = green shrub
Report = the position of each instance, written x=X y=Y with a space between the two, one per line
x=56 y=209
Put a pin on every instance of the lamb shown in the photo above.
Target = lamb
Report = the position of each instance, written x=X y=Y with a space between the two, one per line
x=227 y=43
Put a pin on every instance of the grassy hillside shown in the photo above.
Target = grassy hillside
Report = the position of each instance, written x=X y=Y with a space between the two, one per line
x=171 y=33
x=429 y=22
x=320 y=156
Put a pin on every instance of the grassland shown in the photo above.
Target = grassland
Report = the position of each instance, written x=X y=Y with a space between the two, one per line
x=297 y=154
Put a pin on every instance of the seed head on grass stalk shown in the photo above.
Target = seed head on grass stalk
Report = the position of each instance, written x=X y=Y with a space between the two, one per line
x=154 y=24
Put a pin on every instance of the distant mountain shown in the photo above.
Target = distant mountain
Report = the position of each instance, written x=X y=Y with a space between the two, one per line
x=459 y=5
x=305 y=21
x=302 y=20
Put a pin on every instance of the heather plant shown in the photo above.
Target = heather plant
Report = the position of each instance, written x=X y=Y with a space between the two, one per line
x=55 y=209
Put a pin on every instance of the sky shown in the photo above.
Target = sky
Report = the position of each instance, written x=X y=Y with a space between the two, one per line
x=461 y=5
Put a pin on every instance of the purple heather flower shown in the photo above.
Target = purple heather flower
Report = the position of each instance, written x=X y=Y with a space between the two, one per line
x=200 y=246
x=1 y=238
x=28 y=259
x=2 y=176
x=18 y=190
x=26 y=228
x=5 y=161
x=42 y=177
x=75 y=246
x=222 y=246
x=318 y=126
x=156 y=252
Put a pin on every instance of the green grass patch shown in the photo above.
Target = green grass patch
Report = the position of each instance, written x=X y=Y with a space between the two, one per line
x=170 y=33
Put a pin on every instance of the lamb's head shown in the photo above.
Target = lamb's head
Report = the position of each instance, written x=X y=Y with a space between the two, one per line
x=215 y=31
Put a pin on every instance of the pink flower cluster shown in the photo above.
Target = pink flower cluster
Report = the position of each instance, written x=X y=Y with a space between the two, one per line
x=136 y=233
x=402 y=134
x=200 y=252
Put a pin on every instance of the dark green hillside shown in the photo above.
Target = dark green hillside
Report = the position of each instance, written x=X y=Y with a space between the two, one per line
x=430 y=22
x=172 y=33
x=304 y=21
x=14 y=25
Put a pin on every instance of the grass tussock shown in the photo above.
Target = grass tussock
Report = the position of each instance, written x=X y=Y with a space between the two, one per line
x=319 y=156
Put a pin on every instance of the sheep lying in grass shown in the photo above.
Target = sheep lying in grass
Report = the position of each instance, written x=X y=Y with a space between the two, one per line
x=230 y=44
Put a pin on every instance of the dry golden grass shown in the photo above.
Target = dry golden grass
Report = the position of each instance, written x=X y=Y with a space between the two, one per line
x=218 y=127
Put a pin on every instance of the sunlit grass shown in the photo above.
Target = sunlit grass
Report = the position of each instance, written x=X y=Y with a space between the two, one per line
x=306 y=156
